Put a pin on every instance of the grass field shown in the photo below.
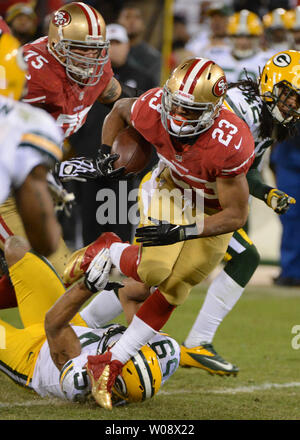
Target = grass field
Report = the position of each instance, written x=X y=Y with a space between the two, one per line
x=256 y=335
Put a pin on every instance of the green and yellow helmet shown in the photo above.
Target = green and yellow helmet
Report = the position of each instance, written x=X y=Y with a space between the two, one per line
x=279 y=81
x=140 y=378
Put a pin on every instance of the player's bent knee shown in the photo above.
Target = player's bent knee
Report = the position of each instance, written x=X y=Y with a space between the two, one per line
x=176 y=295
x=159 y=272
x=15 y=248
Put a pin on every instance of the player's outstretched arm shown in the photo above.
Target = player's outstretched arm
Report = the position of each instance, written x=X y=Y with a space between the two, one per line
x=36 y=209
x=276 y=199
x=63 y=341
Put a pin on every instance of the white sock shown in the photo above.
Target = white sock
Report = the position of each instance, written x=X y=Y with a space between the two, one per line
x=102 y=309
x=221 y=297
x=137 y=334
x=116 y=250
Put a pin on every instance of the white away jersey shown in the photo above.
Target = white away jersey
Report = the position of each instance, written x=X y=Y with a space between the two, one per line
x=28 y=137
x=72 y=381
x=249 y=109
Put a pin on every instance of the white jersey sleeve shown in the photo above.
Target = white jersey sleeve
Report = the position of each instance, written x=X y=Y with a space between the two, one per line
x=28 y=137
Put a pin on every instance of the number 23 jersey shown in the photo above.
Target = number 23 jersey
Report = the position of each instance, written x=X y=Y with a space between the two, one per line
x=225 y=150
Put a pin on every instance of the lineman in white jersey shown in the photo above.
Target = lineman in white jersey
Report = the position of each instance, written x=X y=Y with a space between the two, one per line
x=30 y=145
x=54 y=351
x=270 y=108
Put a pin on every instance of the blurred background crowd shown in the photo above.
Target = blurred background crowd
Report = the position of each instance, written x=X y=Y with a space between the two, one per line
x=149 y=39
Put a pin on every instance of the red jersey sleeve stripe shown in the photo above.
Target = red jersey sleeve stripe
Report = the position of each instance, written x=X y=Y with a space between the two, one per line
x=192 y=75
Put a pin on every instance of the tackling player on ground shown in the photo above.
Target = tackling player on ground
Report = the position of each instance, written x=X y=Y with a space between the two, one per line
x=54 y=351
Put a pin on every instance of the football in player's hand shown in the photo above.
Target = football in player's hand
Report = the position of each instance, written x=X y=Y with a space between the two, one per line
x=135 y=152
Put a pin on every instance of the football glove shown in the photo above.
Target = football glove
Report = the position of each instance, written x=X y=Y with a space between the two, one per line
x=62 y=199
x=104 y=163
x=79 y=168
x=97 y=274
x=164 y=233
x=279 y=201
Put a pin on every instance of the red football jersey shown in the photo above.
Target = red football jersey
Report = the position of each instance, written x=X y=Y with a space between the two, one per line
x=4 y=29
x=50 y=88
x=225 y=150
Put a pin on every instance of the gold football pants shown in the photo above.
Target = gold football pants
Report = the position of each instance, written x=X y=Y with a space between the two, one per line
x=37 y=288
x=175 y=269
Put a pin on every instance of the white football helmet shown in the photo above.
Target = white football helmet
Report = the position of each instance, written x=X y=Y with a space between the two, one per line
x=79 y=26
x=198 y=86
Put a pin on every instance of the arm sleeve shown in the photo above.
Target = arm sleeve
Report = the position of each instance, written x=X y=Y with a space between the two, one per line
x=257 y=187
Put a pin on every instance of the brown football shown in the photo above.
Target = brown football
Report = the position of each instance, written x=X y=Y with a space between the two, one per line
x=135 y=152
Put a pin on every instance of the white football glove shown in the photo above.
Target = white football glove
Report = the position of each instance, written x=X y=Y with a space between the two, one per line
x=97 y=274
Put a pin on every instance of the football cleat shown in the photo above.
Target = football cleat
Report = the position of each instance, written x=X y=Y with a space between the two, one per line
x=204 y=356
x=81 y=259
x=103 y=373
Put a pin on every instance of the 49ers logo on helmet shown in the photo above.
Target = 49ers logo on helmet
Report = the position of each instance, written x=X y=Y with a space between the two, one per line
x=220 y=86
x=61 y=18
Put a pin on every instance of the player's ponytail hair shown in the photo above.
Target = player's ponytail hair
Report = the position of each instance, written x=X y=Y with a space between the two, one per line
x=267 y=122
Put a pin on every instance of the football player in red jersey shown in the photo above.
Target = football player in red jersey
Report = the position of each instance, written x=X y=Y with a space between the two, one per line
x=203 y=148
x=69 y=69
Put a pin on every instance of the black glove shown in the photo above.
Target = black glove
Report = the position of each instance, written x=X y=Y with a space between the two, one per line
x=165 y=233
x=79 y=168
x=104 y=163
x=279 y=201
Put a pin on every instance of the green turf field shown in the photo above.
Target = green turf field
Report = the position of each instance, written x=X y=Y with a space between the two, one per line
x=256 y=335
